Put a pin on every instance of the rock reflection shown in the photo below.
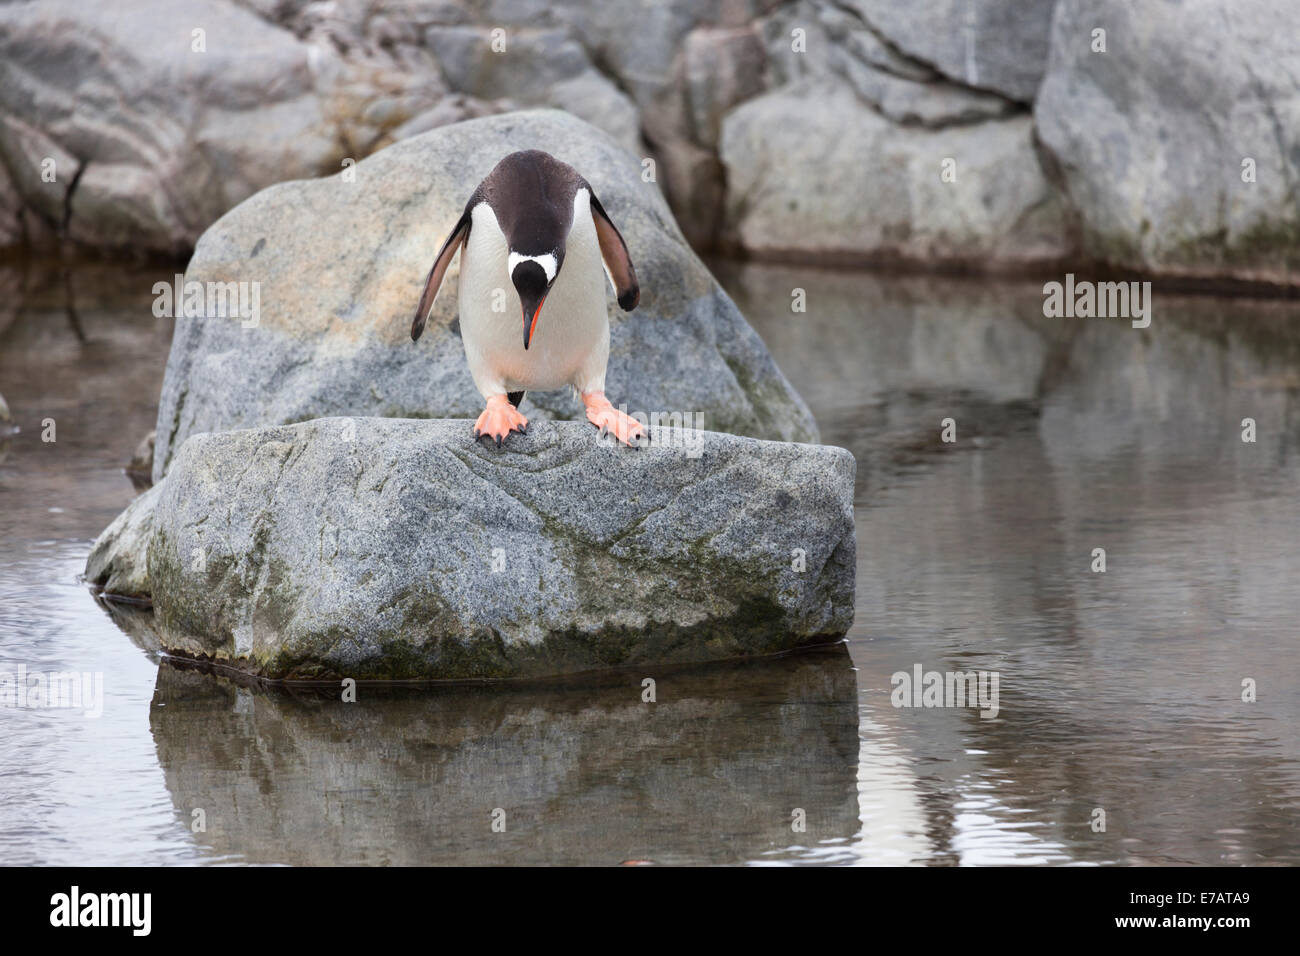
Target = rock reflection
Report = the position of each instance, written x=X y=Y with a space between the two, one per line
x=711 y=772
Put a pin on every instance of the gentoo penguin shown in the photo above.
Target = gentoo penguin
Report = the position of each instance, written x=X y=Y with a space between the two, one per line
x=534 y=235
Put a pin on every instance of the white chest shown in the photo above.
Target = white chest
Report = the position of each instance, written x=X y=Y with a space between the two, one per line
x=573 y=324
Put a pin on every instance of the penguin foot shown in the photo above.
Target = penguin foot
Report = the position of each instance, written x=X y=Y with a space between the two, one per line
x=499 y=419
x=609 y=419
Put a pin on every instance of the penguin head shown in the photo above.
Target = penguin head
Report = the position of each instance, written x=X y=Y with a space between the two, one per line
x=532 y=198
x=533 y=276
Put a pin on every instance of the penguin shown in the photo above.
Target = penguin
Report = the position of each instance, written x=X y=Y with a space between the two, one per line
x=536 y=243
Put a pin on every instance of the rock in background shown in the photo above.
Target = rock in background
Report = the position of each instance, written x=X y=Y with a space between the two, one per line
x=844 y=161
x=800 y=129
x=1152 y=136
x=998 y=45
x=339 y=265
x=151 y=139
x=384 y=549
x=817 y=175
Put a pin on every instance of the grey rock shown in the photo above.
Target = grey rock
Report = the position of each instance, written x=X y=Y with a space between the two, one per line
x=840 y=45
x=717 y=68
x=591 y=97
x=830 y=33
x=1150 y=136
x=12 y=210
x=648 y=52
x=365 y=548
x=140 y=468
x=340 y=265
x=117 y=562
x=641 y=44
x=536 y=67
x=530 y=62
x=160 y=138
x=451 y=109
x=999 y=45
x=41 y=171
x=932 y=104
x=850 y=34
x=722 y=67
x=814 y=172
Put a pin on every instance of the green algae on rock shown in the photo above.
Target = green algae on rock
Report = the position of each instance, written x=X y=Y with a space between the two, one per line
x=400 y=549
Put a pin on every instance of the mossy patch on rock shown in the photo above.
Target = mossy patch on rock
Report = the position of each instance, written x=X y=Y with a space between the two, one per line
x=400 y=549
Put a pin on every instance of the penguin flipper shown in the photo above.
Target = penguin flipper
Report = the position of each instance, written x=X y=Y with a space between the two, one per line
x=439 y=269
x=613 y=250
x=515 y=397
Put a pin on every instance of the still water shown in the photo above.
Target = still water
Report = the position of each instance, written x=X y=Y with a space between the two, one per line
x=1119 y=691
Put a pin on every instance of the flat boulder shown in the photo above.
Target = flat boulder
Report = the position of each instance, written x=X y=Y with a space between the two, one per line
x=326 y=275
x=378 y=549
x=817 y=174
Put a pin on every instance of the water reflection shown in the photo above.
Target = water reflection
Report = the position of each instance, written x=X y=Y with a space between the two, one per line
x=1119 y=691
x=586 y=773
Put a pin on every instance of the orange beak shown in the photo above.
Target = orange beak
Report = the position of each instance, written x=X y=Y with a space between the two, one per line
x=531 y=324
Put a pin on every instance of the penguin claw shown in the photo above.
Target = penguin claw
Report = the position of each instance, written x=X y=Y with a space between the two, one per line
x=609 y=420
x=498 y=420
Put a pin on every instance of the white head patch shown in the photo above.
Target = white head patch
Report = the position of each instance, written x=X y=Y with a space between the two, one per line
x=546 y=261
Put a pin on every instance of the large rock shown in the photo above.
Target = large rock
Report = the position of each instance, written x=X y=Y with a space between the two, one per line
x=117 y=565
x=160 y=139
x=831 y=33
x=340 y=265
x=840 y=44
x=1151 y=135
x=536 y=68
x=998 y=45
x=152 y=138
x=814 y=172
x=382 y=548
x=663 y=71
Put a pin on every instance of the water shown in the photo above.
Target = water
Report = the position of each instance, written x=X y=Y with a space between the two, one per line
x=1119 y=691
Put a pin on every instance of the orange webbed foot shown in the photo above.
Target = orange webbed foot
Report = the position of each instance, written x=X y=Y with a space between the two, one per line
x=499 y=419
x=609 y=419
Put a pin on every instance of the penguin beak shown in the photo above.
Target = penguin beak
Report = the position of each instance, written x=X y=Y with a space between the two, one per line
x=531 y=311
